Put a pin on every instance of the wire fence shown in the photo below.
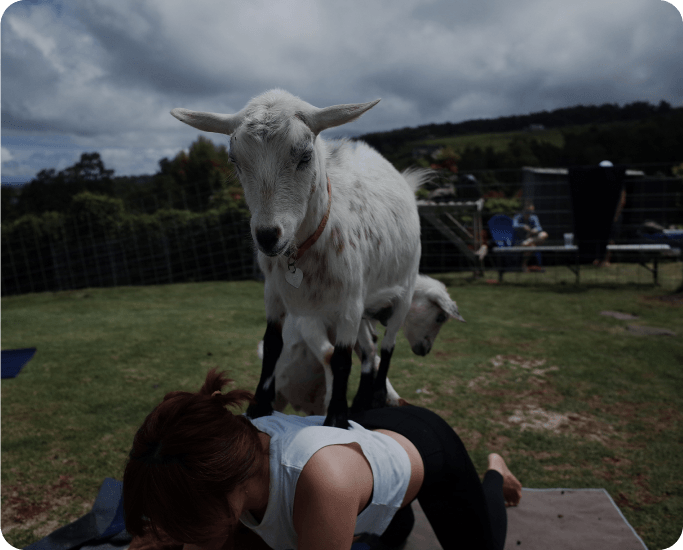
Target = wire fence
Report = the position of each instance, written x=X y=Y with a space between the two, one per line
x=106 y=242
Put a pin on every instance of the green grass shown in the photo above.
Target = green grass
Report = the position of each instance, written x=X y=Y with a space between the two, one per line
x=499 y=141
x=611 y=401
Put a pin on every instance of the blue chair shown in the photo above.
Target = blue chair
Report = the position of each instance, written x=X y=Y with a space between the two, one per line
x=501 y=230
x=504 y=234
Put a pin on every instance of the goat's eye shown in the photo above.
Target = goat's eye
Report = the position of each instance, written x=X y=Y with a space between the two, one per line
x=305 y=159
x=441 y=318
x=234 y=162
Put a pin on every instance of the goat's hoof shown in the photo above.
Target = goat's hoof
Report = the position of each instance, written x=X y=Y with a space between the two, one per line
x=337 y=421
x=257 y=411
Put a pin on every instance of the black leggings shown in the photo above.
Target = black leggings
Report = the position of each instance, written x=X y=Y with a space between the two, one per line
x=463 y=512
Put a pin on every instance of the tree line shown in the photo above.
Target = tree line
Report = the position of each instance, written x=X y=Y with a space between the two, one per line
x=198 y=180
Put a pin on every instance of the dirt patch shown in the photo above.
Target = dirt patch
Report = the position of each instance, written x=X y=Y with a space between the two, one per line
x=619 y=315
x=530 y=405
x=530 y=417
x=649 y=331
x=641 y=496
x=675 y=300
x=27 y=505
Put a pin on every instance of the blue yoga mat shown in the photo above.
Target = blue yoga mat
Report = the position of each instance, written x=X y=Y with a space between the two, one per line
x=102 y=528
x=14 y=359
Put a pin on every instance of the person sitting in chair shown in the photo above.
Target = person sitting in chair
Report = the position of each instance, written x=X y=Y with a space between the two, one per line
x=528 y=228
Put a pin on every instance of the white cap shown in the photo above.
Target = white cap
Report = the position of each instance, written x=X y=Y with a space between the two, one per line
x=606 y=164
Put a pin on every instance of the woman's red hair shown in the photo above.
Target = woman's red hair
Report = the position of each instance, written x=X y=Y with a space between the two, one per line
x=189 y=454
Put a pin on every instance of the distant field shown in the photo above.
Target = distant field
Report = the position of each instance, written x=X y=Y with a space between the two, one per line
x=570 y=397
x=498 y=141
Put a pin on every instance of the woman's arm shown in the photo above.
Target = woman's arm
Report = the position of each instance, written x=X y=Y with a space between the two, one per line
x=333 y=488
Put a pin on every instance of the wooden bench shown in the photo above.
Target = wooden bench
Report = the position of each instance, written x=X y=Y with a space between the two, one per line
x=646 y=253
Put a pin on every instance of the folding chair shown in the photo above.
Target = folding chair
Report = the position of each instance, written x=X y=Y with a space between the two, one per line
x=504 y=234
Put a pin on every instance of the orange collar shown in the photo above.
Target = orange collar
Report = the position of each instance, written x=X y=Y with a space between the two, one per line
x=308 y=243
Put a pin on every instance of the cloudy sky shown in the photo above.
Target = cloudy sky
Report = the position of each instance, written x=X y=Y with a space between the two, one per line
x=102 y=75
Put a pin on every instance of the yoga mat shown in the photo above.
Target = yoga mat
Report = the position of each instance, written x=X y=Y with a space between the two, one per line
x=102 y=528
x=557 y=519
x=14 y=359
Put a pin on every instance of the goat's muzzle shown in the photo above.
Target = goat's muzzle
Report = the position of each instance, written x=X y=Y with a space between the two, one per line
x=267 y=240
x=421 y=349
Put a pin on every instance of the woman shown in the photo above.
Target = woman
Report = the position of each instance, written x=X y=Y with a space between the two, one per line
x=528 y=231
x=196 y=469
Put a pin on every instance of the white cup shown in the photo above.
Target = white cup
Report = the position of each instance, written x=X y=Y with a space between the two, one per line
x=568 y=239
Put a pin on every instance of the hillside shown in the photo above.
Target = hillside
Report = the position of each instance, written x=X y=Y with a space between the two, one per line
x=635 y=133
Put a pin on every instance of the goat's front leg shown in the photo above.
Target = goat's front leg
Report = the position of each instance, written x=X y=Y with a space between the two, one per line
x=366 y=349
x=272 y=348
x=338 y=363
x=265 y=391
x=338 y=409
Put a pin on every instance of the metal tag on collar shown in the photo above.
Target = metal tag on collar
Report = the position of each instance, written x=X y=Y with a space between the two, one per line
x=294 y=275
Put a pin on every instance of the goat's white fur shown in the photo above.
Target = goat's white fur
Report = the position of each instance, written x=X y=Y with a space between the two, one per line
x=300 y=379
x=372 y=239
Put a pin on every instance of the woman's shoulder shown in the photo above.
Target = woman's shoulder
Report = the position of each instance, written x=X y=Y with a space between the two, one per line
x=336 y=469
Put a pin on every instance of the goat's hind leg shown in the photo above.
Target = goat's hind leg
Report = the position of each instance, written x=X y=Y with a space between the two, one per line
x=379 y=394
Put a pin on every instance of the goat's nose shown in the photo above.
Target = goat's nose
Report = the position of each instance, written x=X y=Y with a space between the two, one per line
x=421 y=349
x=268 y=238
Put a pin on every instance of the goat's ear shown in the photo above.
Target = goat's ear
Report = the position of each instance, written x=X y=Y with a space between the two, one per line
x=448 y=306
x=322 y=119
x=209 y=122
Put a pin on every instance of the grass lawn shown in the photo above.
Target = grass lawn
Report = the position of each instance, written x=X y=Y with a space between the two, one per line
x=568 y=396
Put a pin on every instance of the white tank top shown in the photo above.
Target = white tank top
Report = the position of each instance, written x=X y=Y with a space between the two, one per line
x=293 y=441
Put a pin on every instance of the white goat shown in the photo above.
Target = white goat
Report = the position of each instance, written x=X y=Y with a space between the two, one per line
x=295 y=185
x=300 y=377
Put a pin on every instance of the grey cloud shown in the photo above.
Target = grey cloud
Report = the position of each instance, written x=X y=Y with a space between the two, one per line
x=112 y=69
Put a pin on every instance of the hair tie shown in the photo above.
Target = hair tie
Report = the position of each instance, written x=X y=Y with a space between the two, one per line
x=217 y=392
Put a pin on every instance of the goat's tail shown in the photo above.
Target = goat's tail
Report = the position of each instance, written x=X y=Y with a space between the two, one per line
x=417 y=177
